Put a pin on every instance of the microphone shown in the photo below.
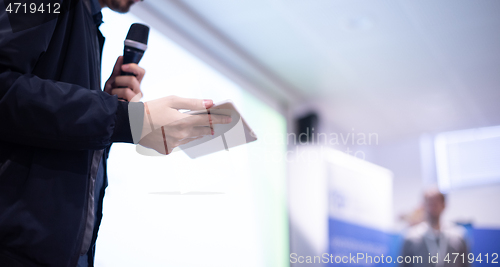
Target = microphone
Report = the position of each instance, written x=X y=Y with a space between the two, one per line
x=136 y=43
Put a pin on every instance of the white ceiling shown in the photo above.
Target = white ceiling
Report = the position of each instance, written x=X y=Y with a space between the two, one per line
x=393 y=67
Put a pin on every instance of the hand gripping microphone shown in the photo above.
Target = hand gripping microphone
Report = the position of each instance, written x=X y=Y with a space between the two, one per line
x=135 y=44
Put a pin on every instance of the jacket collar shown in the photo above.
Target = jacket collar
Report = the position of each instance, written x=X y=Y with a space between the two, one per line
x=95 y=9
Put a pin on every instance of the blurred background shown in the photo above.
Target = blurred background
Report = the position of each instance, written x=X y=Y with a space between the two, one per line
x=359 y=106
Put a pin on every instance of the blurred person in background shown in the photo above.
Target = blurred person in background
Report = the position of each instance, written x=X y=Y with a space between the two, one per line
x=435 y=237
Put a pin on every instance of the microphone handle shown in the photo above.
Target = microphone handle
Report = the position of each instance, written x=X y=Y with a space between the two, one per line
x=131 y=55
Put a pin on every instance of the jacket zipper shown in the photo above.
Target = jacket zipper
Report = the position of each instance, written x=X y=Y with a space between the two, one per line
x=90 y=214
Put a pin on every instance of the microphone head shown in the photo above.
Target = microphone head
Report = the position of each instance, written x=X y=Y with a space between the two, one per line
x=138 y=33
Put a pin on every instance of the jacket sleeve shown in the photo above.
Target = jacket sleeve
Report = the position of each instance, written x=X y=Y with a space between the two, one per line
x=47 y=113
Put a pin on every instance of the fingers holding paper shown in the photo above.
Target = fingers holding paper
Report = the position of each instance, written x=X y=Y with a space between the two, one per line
x=165 y=128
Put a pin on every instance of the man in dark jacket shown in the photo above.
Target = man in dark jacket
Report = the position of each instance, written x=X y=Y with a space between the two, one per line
x=56 y=126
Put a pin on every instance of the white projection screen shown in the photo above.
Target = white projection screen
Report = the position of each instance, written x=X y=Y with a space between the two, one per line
x=468 y=158
x=225 y=209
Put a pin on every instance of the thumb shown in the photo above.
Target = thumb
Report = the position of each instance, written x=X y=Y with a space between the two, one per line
x=190 y=103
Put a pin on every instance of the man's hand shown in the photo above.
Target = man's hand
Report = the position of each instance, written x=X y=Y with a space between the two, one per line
x=165 y=128
x=125 y=87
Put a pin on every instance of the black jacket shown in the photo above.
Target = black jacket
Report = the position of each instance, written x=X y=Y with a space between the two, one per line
x=55 y=122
